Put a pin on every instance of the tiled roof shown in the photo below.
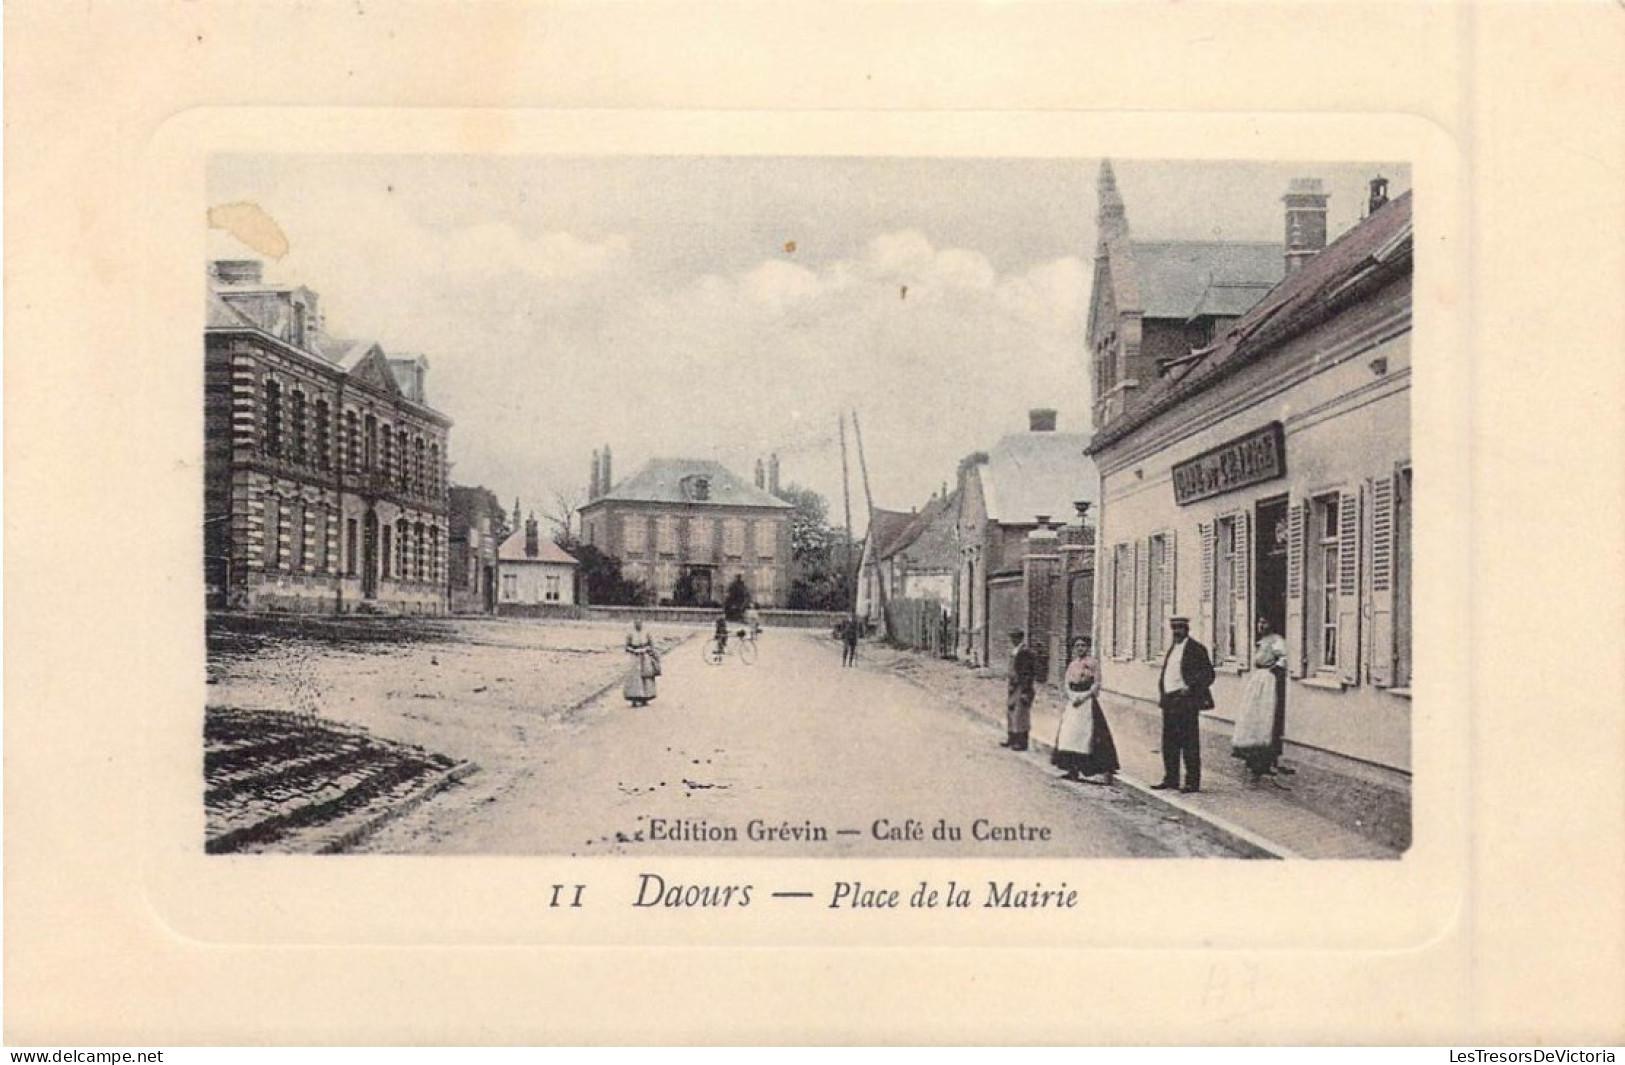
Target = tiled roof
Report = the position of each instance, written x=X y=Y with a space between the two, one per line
x=928 y=536
x=1181 y=279
x=887 y=530
x=674 y=481
x=1380 y=245
x=1032 y=474
x=513 y=550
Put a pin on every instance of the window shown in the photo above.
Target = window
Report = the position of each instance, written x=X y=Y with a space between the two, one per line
x=350 y=547
x=1229 y=642
x=384 y=554
x=297 y=437
x=434 y=553
x=418 y=569
x=733 y=537
x=324 y=436
x=273 y=533
x=766 y=539
x=510 y=587
x=418 y=483
x=1122 y=598
x=434 y=470
x=296 y=536
x=324 y=560
x=352 y=448
x=634 y=532
x=666 y=534
x=369 y=444
x=1323 y=572
x=387 y=465
x=552 y=593
x=271 y=442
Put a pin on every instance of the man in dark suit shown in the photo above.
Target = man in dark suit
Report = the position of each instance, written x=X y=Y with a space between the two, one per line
x=1184 y=690
x=1018 y=704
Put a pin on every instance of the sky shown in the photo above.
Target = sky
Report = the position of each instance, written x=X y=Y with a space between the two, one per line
x=734 y=307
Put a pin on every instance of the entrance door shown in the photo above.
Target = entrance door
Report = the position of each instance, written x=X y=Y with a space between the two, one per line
x=1269 y=562
x=702 y=585
x=369 y=556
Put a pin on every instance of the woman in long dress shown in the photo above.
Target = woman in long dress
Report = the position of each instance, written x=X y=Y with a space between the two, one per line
x=641 y=670
x=1257 y=738
x=1084 y=745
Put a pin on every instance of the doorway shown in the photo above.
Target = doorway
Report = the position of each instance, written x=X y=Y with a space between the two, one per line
x=1269 y=562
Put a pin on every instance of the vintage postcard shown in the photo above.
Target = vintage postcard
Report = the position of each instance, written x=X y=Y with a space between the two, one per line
x=666 y=546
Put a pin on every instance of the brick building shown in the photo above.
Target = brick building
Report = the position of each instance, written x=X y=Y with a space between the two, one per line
x=1013 y=500
x=476 y=526
x=1156 y=300
x=691 y=521
x=325 y=467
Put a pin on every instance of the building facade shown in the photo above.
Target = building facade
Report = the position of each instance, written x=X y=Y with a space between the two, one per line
x=1270 y=475
x=534 y=572
x=1153 y=301
x=688 y=527
x=1013 y=501
x=915 y=554
x=325 y=475
x=476 y=527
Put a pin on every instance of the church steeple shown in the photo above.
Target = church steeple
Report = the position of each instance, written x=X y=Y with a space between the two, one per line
x=1111 y=220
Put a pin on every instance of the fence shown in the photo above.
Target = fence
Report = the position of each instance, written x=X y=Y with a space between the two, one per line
x=921 y=624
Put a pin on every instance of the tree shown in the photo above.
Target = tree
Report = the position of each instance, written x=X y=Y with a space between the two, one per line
x=562 y=513
x=819 y=554
x=601 y=576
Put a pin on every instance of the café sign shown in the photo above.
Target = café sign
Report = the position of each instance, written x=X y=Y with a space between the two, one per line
x=1252 y=459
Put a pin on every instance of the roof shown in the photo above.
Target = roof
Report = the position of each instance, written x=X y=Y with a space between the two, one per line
x=675 y=481
x=513 y=550
x=887 y=531
x=1184 y=279
x=1031 y=474
x=928 y=536
x=1378 y=249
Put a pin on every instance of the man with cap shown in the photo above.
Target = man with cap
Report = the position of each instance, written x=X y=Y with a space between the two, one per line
x=1018 y=703
x=1184 y=691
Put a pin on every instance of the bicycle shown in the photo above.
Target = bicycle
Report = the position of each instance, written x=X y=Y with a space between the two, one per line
x=743 y=641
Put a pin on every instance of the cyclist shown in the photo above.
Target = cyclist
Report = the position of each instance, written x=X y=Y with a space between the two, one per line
x=722 y=634
x=753 y=621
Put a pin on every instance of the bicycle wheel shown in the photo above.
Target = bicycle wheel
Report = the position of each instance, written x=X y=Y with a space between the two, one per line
x=713 y=653
x=747 y=652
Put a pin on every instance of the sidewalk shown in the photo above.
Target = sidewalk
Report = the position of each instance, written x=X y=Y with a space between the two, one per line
x=1331 y=807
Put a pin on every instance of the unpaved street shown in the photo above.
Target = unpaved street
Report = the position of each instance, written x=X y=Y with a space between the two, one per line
x=791 y=757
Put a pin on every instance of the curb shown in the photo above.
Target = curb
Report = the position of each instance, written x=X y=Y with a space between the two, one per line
x=1232 y=835
x=356 y=834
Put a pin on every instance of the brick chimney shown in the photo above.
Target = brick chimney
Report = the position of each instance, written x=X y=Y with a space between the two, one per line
x=595 y=487
x=773 y=473
x=1041 y=420
x=239 y=271
x=533 y=537
x=605 y=479
x=761 y=476
x=1305 y=201
x=1379 y=195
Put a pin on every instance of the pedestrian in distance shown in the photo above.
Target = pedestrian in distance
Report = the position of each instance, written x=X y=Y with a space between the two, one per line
x=849 y=642
x=1184 y=690
x=1261 y=719
x=1018 y=700
x=1083 y=745
x=643 y=667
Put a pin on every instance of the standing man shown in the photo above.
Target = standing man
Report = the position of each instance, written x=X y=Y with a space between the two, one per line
x=1018 y=702
x=849 y=642
x=1184 y=690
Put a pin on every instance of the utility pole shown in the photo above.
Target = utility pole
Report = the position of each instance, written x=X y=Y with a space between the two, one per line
x=880 y=580
x=846 y=551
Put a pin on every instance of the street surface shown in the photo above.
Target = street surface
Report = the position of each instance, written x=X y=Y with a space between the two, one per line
x=791 y=757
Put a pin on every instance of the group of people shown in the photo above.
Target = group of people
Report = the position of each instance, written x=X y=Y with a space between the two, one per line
x=1084 y=748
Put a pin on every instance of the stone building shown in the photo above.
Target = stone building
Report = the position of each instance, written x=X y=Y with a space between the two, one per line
x=691 y=524
x=1156 y=300
x=1013 y=500
x=325 y=467
x=1269 y=474
x=533 y=571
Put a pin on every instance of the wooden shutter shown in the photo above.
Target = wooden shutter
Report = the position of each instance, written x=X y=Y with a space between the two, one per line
x=1296 y=516
x=1382 y=582
x=1106 y=603
x=1348 y=587
x=1169 y=569
x=1142 y=598
x=1242 y=652
x=1203 y=622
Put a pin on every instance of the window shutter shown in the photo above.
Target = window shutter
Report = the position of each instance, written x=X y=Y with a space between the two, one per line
x=1106 y=641
x=1243 y=596
x=1348 y=587
x=1382 y=582
x=1295 y=518
x=1203 y=622
x=1169 y=570
x=1142 y=596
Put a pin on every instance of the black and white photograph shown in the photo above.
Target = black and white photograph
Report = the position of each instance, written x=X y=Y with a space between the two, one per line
x=822 y=506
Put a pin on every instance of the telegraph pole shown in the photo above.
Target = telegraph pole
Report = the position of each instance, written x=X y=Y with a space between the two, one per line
x=846 y=551
x=880 y=580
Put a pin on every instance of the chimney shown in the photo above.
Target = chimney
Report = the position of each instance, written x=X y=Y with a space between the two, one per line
x=595 y=487
x=1305 y=201
x=239 y=271
x=1041 y=420
x=605 y=481
x=761 y=477
x=773 y=473
x=1111 y=220
x=1379 y=195
x=533 y=539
